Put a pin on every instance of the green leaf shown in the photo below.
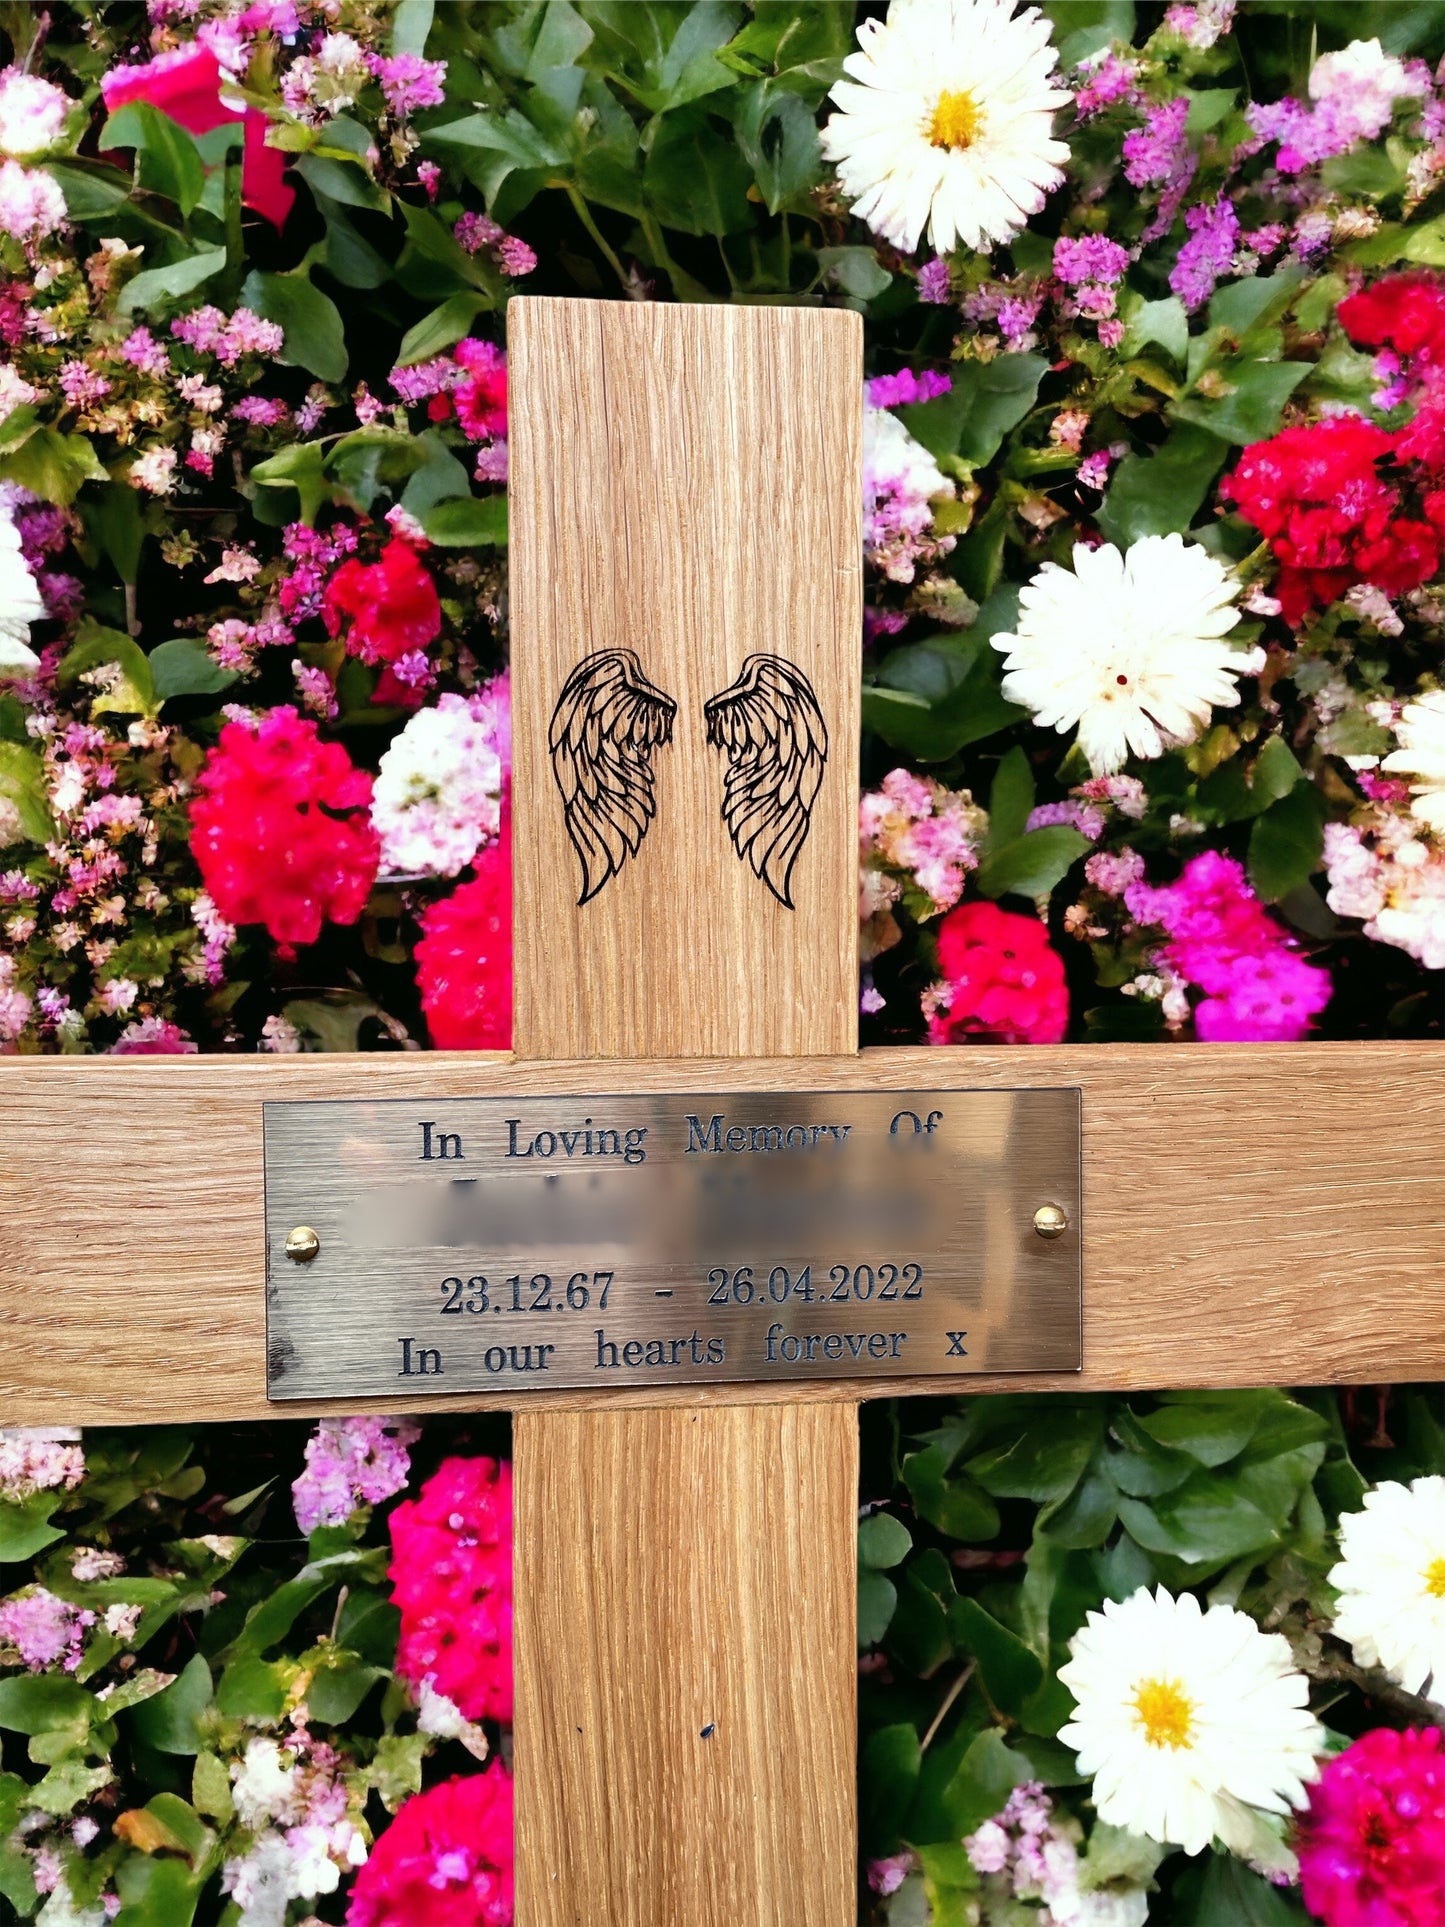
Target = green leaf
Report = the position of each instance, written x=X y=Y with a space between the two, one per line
x=1162 y=324
x=1240 y=306
x=1223 y=1892
x=133 y=694
x=1212 y=1427
x=1009 y=1670
x=211 y=1788
x=882 y=1541
x=23 y=785
x=1205 y=1524
x=345 y=181
x=856 y=270
x=44 y=1703
x=440 y=329
x=113 y=518
x=1043 y=1460
x=1033 y=863
x=252 y=1689
x=935 y=697
x=1084 y=27
x=310 y=321
x=918 y=1635
x=156 y=1892
x=25 y=1527
x=411 y=22
x=468 y=522
x=337 y=1690
x=779 y=136
x=986 y=1775
x=438 y=477
x=1160 y=494
x=1010 y=799
x=987 y=400
x=302 y=467
x=953 y=1503
x=1287 y=842
x=694 y=176
x=69 y=1783
x=1251 y=411
x=52 y=465
x=168 y=1721
x=185 y=667
x=350 y=258
x=93 y=190
x=889 y=1773
x=153 y=285
x=877 y=1599
x=167 y=159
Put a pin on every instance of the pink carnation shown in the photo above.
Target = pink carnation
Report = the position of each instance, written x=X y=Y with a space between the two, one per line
x=280 y=829
x=1005 y=980
x=464 y=957
x=481 y=398
x=1372 y=1844
x=446 y=1859
x=451 y=1575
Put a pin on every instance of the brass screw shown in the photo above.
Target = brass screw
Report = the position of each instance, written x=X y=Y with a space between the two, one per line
x=302 y=1244
x=1050 y=1221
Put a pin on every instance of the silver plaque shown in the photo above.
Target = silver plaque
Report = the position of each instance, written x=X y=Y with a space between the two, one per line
x=536 y=1243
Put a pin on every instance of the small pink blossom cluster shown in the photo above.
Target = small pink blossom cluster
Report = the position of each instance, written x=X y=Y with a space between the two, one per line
x=44 y=1630
x=1091 y=266
x=330 y=77
x=211 y=332
x=439 y=792
x=34 y=1461
x=1352 y=97
x=513 y=257
x=1028 y=1852
x=1220 y=937
x=901 y=482
x=351 y=1462
x=918 y=837
x=451 y=1574
x=471 y=383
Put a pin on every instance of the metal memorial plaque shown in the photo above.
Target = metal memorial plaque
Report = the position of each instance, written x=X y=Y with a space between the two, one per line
x=532 y=1243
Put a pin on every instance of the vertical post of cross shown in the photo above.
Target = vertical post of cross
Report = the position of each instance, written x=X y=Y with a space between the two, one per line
x=685 y=501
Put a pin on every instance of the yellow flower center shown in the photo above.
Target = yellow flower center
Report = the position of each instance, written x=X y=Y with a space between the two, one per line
x=1435 y=1579
x=955 y=121
x=1165 y=1712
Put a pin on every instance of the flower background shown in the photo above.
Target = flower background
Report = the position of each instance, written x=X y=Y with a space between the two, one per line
x=1154 y=747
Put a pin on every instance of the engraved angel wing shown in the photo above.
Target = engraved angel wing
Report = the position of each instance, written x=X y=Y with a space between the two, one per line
x=770 y=726
x=608 y=720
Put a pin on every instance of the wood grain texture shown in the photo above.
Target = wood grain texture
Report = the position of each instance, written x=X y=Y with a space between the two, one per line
x=686 y=1668
x=686 y=483
x=1237 y=1228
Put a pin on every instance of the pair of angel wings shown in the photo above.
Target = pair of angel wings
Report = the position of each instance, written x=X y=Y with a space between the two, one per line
x=608 y=721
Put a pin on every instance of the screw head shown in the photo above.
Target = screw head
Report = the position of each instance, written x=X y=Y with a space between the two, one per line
x=1051 y=1221
x=302 y=1244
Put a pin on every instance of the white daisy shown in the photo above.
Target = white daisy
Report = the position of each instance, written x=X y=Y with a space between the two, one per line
x=20 y=604
x=1190 y=1722
x=1128 y=647
x=1421 y=730
x=1391 y=1581
x=947 y=122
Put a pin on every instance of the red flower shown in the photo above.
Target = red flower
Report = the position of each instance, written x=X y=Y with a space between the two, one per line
x=269 y=834
x=451 y=1575
x=1006 y=978
x=1372 y=1845
x=446 y=1860
x=392 y=603
x=1404 y=312
x=1318 y=497
x=186 y=84
x=482 y=398
x=464 y=957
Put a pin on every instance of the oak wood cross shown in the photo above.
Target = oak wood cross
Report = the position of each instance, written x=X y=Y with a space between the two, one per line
x=686 y=487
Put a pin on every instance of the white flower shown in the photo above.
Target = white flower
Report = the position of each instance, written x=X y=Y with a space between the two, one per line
x=32 y=113
x=444 y=1719
x=1188 y=1719
x=438 y=792
x=1363 y=82
x=31 y=203
x=20 y=604
x=1421 y=730
x=1391 y=1580
x=265 y=1785
x=947 y=122
x=15 y=390
x=900 y=481
x=1128 y=647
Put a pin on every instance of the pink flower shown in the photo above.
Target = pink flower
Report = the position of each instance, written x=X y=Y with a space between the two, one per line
x=451 y=1574
x=1372 y=1844
x=153 y=1037
x=446 y=1860
x=464 y=957
x=410 y=83
x=186 y=84
x=44 y=1630
x=392 y=603
x=280 y=829
x=351 y=1462
x=481 y=399
x=1005 y=980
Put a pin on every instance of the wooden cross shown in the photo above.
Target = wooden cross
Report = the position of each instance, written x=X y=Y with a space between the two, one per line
x=686 y=488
